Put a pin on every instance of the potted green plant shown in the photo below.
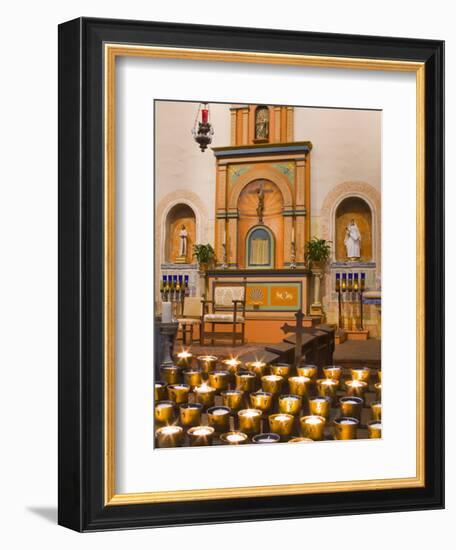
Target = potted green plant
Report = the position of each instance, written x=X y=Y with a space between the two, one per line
x=205 y=256
x=316 y=253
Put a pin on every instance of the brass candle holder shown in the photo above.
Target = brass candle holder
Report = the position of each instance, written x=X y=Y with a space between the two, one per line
x=205 y=395
x=310 y=371
x=281 y=424
x=246 y=381
x=300 y=440
x=379 y=375
x=234 y=438
x=232 y=365
x=164 y=412
x=362 y=374
x=207 y=363
x=232 y=399
x=220 y=380
x=356 y=388
x=199 y=436
x=266 y=438
x=272 y=383
x=250 y=421
x=169 y=436
x=332 y=372
x=299 y=385
x=259 y=368
x=261 y=400
x=290 y=404
x=193 y=377
x=378 y=390
x=351 y=406
x=178 y=393
x=312 y=427
x=219 y=418
x=320 y=406
x=376 y=411
x=327 y=387
x=184 y=359
x=160 y=393
x=171 y=374
x=374 y=428
x=190 y=414
x=345 y=427
x=281 y=369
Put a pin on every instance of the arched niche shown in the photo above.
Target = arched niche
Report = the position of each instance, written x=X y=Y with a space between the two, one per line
x=179 y=215
x=247 y=207
x=260 y=248
x=357 y=209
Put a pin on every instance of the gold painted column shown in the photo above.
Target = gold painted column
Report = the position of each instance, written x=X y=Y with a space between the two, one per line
x=287 y=232
x=300 y=210
x=232 y=238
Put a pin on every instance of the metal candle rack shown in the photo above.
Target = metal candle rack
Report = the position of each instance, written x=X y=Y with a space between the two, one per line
x=353 y=283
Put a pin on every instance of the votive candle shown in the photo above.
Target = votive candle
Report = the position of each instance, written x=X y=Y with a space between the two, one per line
x=190 y=414
x=332 y=372
x=169 y=436
x=376 y=410
x=220 y=379
x=164 y=412
x=205 y=395
x=193 y=377
x=281 y=369
x=299 y=385
x=312 y=427
x=171 y=374
x=320 y=406
x=272 y=383
x=356 y=387
x=160 y=392
x=351 y=406
x=200 y=435
x=184 y=358
x=246 y=381
x=266 y=438
x=345 y=427
x=362 y=374
x=178 y=393
x=327 y=387
x=281 y=424
x=374 y=428
x=250 y=421
x=261 y=400
x=219 y=418
x=290 y=404
x=232 y=399
x=234 y=438
x=311 y=371
x=207 y=363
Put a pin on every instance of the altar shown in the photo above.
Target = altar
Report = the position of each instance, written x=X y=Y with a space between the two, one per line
x=272 y=296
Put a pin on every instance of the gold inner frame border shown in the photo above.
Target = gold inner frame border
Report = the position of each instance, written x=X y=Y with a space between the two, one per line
x=110 y=53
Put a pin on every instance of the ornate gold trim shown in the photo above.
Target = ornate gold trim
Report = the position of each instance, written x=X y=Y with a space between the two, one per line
x=111 y=52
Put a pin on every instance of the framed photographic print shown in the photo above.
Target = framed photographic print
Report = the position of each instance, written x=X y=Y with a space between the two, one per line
x=250 y=274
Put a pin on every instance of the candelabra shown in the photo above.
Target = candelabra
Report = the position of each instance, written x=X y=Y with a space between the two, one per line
x=350 y=290
x=293 y=255
x=174 y=288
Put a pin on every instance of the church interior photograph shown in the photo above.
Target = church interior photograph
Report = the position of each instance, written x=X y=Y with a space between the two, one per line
x=267 y=274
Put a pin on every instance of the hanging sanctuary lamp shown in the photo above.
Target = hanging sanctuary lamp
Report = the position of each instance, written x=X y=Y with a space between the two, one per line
x=202 y=129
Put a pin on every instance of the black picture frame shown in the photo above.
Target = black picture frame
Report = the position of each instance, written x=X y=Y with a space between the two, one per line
x=81 y=428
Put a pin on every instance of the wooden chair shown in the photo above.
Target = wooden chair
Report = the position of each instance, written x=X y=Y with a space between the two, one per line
x=228 y=308
x=191 y=318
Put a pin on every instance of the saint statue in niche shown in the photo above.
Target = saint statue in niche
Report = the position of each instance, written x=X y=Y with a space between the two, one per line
x=183 y=236
x=262 y=123
x=353 y=241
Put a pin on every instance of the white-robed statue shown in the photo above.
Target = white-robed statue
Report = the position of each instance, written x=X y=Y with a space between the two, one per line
x=353 y=240
x=183 y=242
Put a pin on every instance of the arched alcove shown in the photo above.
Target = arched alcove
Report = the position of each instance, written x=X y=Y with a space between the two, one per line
x=357 y=209
x=180 y=215
x=272 y=219
x=260 y=248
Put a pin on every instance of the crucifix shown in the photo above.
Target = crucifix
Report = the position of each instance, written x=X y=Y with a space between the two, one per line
x=299 y=330
x=260 y=191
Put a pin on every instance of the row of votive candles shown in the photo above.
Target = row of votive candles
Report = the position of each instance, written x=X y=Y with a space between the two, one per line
x=173 y=282
x=259 y=387
x=350 y=282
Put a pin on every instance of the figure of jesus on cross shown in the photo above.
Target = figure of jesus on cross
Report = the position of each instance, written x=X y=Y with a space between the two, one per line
x=260 y=191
